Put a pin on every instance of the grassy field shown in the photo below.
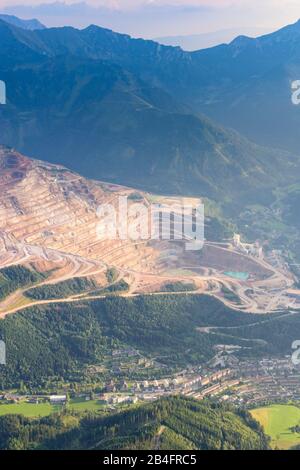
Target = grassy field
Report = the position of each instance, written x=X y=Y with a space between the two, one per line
x=277 y=421
x=29 y=410
x=44 y=409
x=82 y=405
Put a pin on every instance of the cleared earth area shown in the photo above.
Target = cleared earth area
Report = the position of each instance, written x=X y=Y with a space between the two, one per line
x=49 y=220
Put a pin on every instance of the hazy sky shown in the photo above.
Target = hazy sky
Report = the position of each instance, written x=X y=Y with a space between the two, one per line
x=152 y=18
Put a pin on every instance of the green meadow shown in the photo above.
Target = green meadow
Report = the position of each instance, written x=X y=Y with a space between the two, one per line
x=277 y=421
x=31 y=410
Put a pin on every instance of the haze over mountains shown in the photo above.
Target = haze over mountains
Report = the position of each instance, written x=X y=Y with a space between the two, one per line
x=245 y=84
x=195 y=42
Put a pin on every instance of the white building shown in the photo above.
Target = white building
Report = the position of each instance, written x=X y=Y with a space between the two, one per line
x=57 y=399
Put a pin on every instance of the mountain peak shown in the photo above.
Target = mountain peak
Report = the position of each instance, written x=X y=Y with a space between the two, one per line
x=241 y=41
x=95 y=27
x=241 y=38
x=96 y=30
x=31 y=25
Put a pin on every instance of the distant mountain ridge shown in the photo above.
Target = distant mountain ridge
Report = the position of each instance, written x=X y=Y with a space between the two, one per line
x=245 y=84
x=90 y=100
x=20 y=23
x=199 y=41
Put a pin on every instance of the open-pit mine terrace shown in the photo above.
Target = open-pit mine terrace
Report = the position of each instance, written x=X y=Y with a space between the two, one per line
x=48 y=220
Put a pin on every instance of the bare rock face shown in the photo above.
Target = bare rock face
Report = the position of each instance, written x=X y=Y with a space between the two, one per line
x=13 y=166
x=48 y=216
x=49 y=219
x=48 y=207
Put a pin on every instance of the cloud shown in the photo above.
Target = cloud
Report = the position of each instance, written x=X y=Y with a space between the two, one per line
x=137 y=17
x=123 y=5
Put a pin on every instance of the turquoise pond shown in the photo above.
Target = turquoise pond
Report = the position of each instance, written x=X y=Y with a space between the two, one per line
x=237 y=275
